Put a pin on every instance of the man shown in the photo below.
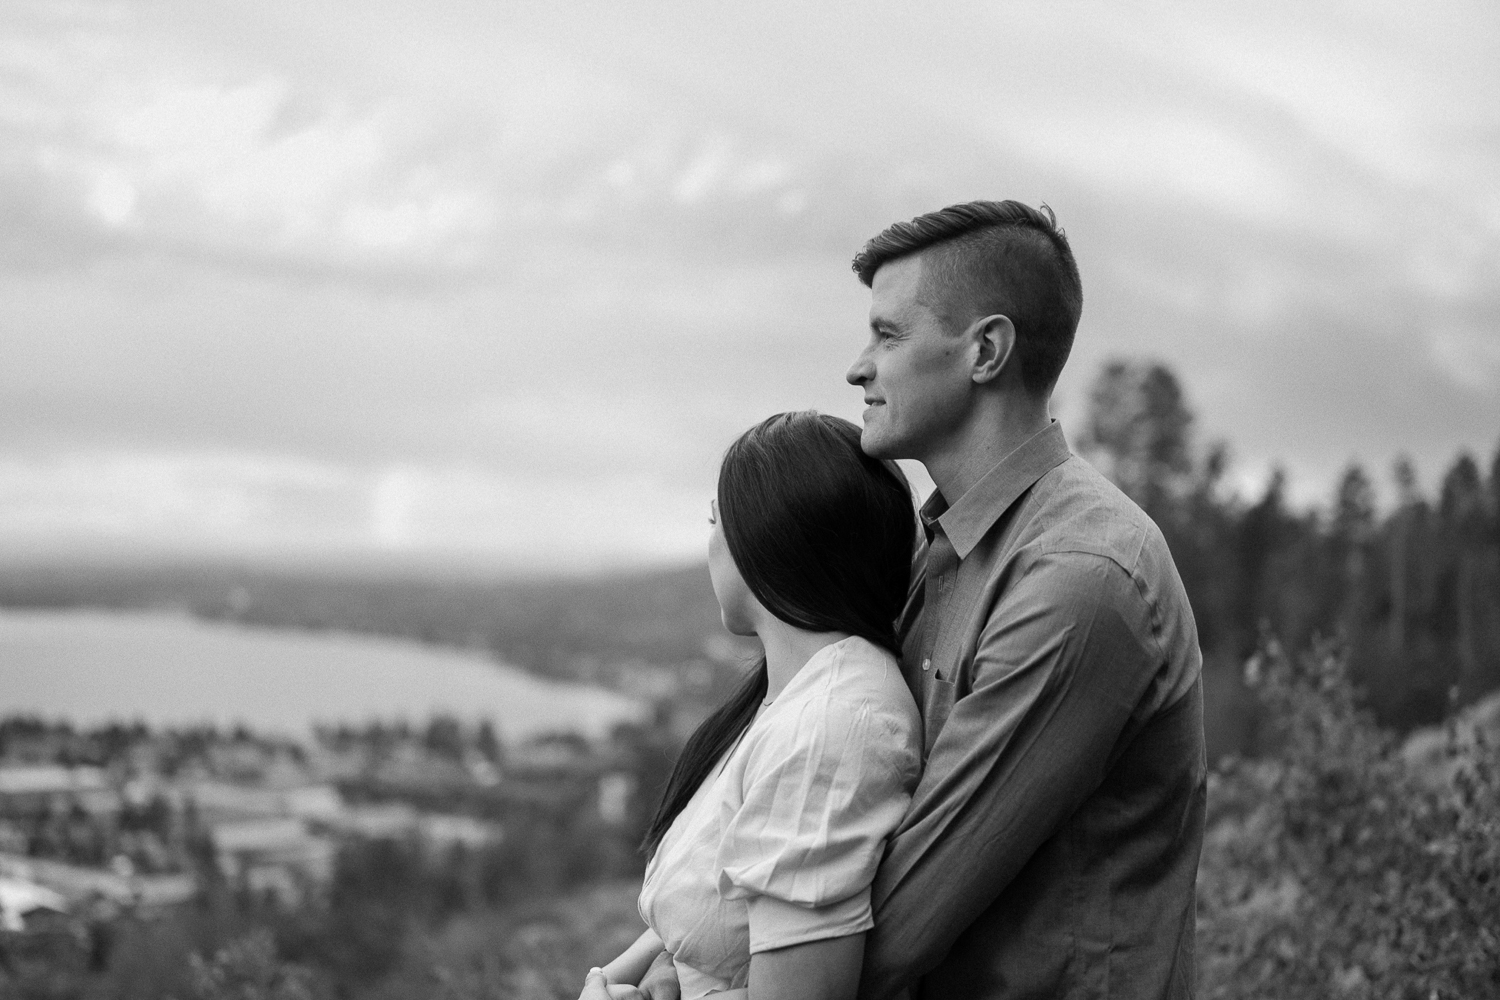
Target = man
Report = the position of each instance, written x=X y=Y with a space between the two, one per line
x=1052 y=845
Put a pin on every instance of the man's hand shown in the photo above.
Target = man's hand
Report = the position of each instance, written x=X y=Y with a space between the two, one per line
x=596 y=987
x=660 y=981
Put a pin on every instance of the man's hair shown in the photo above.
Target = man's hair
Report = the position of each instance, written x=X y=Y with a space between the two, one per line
x=994 y=257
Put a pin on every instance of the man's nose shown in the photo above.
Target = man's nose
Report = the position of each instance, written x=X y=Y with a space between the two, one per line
x=861 y=371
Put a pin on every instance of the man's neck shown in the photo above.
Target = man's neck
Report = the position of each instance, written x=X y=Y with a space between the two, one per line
x=999 y=427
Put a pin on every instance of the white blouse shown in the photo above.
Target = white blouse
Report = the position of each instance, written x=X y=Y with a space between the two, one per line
x=779 y=844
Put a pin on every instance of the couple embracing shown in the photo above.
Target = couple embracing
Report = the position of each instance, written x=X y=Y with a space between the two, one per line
x=976 y=773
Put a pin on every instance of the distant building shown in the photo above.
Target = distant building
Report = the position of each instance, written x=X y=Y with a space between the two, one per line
x=376 y=821
x=277 y=856
x=80 y=884
x=440 y=831
x=401 y=821
x=313 y=802
x=222 y=801
x=22 y=902
x=219 y=801
x=330 y=762
x=37 y=789
x=556 y=755
x=410 y=766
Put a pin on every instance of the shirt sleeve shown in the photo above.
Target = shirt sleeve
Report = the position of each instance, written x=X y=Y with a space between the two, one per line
x=1059 y=669
x=824 y=787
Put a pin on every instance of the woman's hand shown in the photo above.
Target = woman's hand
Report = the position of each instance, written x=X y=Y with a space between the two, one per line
x=596 y=987
x=634 y=962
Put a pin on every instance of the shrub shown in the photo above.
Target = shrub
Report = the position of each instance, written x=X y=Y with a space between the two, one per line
x=1334 y=867
x=248 y=969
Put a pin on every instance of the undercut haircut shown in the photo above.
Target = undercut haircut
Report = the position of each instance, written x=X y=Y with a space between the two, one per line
x=988 y=257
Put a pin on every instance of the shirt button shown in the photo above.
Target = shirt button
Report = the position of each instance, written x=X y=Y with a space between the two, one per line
x=927 y=664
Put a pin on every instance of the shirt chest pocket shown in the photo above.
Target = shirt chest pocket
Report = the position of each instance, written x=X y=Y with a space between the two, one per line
x=938 y=696
x=947 y=670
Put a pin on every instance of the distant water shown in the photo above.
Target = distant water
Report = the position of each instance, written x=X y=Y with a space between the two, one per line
x=166 y=669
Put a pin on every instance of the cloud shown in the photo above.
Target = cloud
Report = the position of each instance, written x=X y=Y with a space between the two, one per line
x=1470 y=355
x=151 y=160
x=133 y=503
x=499 y=274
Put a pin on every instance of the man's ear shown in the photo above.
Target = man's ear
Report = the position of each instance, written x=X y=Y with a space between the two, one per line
x=995 y=341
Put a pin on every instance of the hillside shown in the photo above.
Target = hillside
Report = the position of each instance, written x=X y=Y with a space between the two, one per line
x=555 y=626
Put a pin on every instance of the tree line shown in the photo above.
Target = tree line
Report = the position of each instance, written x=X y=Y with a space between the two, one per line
x=1412 y=589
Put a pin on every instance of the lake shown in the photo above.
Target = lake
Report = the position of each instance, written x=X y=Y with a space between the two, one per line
x=168 y=669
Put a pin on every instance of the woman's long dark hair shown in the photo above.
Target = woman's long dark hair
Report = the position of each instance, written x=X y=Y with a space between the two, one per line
x=822 y=535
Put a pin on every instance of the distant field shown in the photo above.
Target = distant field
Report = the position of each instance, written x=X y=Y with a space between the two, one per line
x=170 y=669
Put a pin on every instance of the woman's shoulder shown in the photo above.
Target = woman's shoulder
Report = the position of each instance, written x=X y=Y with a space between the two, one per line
x=868 y=674
x=851 y=689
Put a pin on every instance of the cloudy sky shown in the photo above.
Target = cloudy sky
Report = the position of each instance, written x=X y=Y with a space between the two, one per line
x=498 y=282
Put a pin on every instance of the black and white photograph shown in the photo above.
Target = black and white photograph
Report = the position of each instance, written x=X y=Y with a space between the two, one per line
x=778 y=501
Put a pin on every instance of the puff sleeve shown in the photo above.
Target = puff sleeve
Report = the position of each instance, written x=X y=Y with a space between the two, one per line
x=825 y=783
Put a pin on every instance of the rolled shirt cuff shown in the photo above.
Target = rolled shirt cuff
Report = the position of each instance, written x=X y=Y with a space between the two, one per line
x=775 y=923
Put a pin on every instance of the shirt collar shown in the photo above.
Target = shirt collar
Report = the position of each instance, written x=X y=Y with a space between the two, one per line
x=966 y=521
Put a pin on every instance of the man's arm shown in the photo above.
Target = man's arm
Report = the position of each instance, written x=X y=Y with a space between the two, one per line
x=1063 y=662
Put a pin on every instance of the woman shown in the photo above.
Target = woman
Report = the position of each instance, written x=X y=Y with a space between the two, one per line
x=768 y=834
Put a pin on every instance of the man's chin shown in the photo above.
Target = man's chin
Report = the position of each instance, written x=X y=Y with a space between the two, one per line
x=875 y=444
